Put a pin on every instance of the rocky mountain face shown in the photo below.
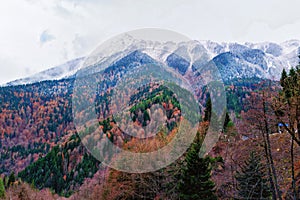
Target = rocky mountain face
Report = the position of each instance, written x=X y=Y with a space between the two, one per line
x=261 y=60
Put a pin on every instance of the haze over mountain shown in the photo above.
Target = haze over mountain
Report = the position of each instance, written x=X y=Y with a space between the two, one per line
x=262 y=60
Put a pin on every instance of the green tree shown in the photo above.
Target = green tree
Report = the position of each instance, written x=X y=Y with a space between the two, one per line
x=11 y=179
x=290 y=96
x=283 y=77
x=195 y=179
x=208 y=108
x=226 y=121
x=251 y=181
x=2 y=189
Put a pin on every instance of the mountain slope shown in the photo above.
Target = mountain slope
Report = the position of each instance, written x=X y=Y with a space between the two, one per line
x=55 y=73
x=263 y=60
x=38 y=137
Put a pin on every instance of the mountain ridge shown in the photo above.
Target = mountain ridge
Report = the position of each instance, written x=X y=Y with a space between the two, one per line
x=265 y=59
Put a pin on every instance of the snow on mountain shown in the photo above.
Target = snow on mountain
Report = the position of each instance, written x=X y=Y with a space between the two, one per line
x=264 y=60
x=56 y=73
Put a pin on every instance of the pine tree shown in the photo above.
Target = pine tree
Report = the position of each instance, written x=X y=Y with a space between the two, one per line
x=290 y=97
x=2 y=189
x=11 y=179
x=226 y=121
x=251 y=180
x=283 y=77
x=208 y=110
x=195 y=182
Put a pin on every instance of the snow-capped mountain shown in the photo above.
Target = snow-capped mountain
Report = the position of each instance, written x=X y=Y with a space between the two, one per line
x=62 y=71
x=263 y=60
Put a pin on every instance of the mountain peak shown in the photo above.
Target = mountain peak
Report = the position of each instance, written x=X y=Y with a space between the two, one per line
x=268 y=58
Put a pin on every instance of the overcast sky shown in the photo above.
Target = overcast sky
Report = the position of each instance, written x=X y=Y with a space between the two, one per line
x=39 y=34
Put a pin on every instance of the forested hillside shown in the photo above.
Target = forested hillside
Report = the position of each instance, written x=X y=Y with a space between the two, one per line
x=40 y=145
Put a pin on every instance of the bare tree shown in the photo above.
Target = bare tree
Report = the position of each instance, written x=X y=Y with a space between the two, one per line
x=286 y=107
x=261 y=121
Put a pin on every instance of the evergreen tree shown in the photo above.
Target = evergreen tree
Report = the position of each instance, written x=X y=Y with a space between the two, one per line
x=283 y=77
x=2 y=189
x=208 y=108
x=226 y=121
x=251 y=181
x=290 y=97
x=292 y=72
x=11 y=179
x=195 y=182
